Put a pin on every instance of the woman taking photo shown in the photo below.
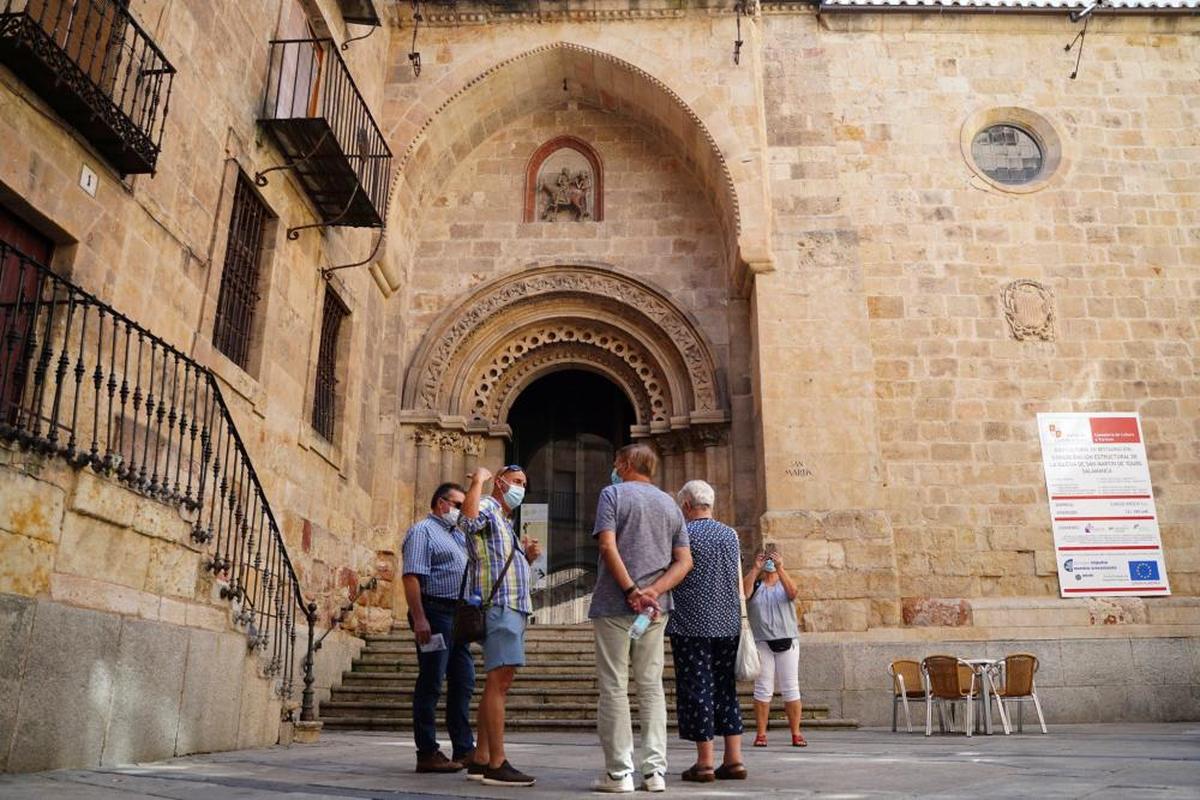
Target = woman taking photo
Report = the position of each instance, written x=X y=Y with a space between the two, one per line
x=770 y=596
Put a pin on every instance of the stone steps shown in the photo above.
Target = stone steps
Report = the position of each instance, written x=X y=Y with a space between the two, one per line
x=556 y=690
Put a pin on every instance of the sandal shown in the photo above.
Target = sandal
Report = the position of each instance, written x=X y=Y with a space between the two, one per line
x=699 y=774
x=798 y=740
x=731 y=772
x=760 y=740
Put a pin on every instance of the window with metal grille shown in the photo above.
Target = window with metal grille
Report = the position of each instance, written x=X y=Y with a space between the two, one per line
x=324 y=415
x=1008 y=154
x=238 y=301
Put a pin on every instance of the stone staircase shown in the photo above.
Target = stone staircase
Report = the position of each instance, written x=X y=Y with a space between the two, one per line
x=555 y=691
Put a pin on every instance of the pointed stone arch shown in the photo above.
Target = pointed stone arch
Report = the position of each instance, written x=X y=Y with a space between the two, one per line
x=530 y=80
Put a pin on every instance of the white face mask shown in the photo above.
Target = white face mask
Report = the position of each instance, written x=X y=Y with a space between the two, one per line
x=513 y=496
x=451 y=517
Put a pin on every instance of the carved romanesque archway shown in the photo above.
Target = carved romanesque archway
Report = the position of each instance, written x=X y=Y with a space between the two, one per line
x=480 y=355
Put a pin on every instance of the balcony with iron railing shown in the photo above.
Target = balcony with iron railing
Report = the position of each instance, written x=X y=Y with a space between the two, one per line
x=95 y=66
x=327 y=135
x=81 y=381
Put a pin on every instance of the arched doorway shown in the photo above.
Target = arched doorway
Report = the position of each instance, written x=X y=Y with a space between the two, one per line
x=565 y=428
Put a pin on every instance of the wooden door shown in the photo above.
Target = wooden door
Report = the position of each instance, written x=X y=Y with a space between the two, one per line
x=20 y=288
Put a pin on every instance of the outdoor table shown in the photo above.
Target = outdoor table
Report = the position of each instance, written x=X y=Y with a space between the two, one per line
x=981 y=666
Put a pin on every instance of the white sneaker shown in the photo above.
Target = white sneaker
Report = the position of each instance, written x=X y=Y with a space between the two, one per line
x=655 y=783
x=613 y=785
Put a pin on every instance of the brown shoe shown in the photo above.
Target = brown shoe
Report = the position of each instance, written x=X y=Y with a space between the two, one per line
x=731 y=772
x=437 y=762
x=699 y=774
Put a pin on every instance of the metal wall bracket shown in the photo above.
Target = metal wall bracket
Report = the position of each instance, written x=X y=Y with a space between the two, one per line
x=327 y=272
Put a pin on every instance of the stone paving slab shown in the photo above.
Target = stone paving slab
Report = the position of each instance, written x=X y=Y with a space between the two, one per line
x=1073 y=761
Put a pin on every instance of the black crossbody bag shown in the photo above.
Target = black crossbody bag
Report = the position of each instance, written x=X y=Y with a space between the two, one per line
x=469 y=623
x=776 y=645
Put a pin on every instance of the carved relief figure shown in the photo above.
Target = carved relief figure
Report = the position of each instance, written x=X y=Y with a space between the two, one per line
x=565 y=187
x=569 y=196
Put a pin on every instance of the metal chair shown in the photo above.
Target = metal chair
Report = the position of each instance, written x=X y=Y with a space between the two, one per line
x=944 y=685
x=907 y=684
x=1019 y=687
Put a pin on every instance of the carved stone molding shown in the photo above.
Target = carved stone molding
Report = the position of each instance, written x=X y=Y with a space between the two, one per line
x=572 y=343
x=573 y=355
x=472 y=445
x=426 y=437
x=709 y=435
x=434 y=368
x=693 y=439
x=1029 y=310
x=449 y=441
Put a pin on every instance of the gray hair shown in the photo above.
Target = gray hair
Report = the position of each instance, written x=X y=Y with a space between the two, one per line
x=697 y=493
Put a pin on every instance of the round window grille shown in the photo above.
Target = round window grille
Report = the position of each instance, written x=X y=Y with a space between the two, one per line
x=1008 y=154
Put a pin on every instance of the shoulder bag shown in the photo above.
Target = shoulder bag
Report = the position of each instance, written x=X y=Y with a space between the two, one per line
x=469 y=624
x=747 y=665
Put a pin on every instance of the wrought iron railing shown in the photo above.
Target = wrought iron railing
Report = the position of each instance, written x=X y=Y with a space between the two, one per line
x=307 y=80
x=80 y=380
x=96 y=65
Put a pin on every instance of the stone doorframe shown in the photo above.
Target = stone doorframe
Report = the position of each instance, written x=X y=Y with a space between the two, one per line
x=482 y=353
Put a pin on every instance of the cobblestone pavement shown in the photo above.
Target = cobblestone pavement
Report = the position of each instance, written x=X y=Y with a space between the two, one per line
x=1092 y=761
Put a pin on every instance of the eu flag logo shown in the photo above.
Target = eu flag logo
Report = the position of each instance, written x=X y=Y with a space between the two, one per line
x=1143 y=570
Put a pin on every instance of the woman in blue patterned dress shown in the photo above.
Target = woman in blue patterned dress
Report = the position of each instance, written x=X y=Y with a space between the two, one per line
x=704 y=630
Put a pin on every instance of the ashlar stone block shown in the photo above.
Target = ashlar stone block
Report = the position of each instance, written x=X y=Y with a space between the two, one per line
x=147 y=687
x=67 y=690
x=30 y=507
x=25 y=564
x=16 y=623
x=212 y=693
x=100 y=550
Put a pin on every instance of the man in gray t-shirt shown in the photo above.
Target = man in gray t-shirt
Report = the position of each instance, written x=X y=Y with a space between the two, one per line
x=644 y=553
x=648 y=526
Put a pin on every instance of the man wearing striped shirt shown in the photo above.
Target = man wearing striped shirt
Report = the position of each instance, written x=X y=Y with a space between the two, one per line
x=435 y=560
x=502 y=579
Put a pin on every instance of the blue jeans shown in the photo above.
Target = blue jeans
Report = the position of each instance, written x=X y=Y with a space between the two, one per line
x=456 y=666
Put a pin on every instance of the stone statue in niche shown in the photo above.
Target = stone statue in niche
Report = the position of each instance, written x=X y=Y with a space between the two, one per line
x=566 y=187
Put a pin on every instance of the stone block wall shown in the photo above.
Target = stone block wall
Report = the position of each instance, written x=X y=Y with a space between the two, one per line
x=116 y=646
x=912 y=400
x=154 y=246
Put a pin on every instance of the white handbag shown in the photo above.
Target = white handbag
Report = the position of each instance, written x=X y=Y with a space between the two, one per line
x=747 y=665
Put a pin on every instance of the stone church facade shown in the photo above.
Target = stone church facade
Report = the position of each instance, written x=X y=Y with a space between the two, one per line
x=771 y=230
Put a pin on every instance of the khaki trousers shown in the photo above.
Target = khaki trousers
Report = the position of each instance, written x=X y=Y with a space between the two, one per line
x=616 y=653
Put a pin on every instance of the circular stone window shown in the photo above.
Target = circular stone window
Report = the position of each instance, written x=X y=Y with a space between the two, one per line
x=1008 y=154
x=1012 y=149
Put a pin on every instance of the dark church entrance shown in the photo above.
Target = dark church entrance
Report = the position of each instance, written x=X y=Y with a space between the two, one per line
x=565 y=428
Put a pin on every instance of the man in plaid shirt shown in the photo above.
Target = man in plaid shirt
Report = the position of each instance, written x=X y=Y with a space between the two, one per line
x=502 y=579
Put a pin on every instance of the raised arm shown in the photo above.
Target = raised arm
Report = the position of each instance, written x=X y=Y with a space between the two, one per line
x=471 y=521
x=753 y=574
x=789 y=585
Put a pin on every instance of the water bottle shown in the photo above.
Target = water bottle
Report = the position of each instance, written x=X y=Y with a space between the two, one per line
x=642 y=622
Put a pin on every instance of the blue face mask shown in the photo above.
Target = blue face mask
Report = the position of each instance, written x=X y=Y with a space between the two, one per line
x=513 y=496
x=615 y=477
x=769 y=565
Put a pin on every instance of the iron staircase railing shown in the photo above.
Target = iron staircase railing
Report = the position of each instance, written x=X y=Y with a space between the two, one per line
x=80 y=380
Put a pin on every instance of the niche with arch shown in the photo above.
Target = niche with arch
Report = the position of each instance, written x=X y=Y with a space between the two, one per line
x=564 y=181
